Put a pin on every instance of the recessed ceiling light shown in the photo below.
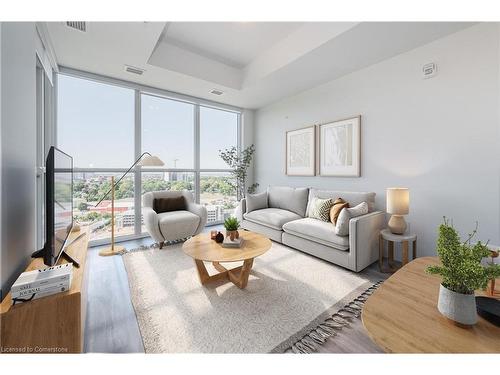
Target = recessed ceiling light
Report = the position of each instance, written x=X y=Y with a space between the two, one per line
x=134 y=70
x=216 y=92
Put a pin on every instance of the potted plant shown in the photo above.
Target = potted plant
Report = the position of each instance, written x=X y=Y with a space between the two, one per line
x=462 y=274
x=232 y=224
x=239 y=162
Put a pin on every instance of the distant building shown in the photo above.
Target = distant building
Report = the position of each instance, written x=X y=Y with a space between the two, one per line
x=127 y=219
x=214 y=214
x=105 y=206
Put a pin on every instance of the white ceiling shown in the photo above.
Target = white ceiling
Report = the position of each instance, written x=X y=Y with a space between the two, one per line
x=217 y=40
x=253 y=63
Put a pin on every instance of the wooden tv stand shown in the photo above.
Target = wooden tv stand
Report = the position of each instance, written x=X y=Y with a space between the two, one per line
x=53 y=324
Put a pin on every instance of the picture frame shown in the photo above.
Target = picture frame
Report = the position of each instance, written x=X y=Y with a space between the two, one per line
x=301 y=152
x=340 y=148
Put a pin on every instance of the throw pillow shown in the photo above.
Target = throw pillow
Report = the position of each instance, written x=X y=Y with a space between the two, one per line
x=342 y=226
x=338 y=205
x=256 y=201
x=169 y=204
x=320 y=209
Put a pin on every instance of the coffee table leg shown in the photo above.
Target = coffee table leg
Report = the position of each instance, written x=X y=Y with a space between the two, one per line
x=238 y=276
x=241 y=280
x=205 y=277
x=202 y=271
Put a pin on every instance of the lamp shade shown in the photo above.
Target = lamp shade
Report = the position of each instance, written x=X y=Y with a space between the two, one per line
x=398 y=201
x=151 y=161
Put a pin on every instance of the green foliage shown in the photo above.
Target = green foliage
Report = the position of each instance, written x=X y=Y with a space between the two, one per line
x=462 y=271
x=231 y=223
x=89 y=217
x=216 y=184
x=239 y=163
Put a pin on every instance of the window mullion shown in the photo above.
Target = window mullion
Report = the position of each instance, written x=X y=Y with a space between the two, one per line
x=197 y=153
x=137 y=172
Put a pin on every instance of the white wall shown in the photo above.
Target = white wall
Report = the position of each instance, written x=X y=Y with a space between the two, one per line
x=439 y=137
x=18 y=149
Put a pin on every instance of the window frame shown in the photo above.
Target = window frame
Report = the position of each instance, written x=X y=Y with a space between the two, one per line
x=140 y=90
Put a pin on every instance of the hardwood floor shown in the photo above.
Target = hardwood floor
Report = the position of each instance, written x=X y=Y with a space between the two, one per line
x=111 y=325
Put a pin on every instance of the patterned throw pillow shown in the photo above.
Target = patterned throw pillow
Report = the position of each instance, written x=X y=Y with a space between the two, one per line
x=320 y=209
x=338 y=205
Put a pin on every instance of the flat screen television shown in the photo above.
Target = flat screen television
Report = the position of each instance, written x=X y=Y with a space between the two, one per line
x=58 y=206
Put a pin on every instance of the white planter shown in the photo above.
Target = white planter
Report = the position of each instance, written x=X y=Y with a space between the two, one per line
x=457 y=306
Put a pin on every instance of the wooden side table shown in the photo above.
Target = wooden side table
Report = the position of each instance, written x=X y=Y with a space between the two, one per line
x=391 y=238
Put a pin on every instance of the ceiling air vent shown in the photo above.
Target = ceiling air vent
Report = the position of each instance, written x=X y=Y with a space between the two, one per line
x=216 y=92
x=134 y=70
x=77 y=25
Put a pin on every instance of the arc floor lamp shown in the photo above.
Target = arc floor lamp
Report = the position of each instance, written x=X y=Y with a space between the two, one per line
x=145 y=160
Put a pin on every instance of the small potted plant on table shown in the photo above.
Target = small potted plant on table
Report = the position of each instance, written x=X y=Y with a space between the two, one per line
x=462 y=274
x=232 y=224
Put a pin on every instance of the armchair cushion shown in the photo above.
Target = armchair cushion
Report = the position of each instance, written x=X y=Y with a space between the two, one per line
x=178 y=224
x=169 y=204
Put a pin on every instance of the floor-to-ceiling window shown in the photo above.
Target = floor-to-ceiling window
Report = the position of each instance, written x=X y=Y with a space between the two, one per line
x=106 y=126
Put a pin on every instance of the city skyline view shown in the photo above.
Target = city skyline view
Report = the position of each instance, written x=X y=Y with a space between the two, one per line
x=96 y=121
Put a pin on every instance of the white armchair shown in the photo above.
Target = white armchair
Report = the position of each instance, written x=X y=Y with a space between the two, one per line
x=173 y=225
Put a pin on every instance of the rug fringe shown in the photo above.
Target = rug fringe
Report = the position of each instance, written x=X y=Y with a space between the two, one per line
x=342 y=318
x=155 y=246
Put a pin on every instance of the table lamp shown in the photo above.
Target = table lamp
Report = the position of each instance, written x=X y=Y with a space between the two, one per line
x=145 y=160
x=398 y=204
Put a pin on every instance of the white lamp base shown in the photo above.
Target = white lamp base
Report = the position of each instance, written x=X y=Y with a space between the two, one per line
x=397 y=224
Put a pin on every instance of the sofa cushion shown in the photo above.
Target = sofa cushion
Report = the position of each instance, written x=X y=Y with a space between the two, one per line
x=352 y=197
x=287 y=198
x=317 y=231
x=178 y=224
x=256 y=201
x=342 y=226
x=271 y=217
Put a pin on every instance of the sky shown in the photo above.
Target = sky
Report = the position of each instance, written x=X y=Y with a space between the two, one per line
x=96 y=127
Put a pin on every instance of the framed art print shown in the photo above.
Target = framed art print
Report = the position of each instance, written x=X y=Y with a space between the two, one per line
x=301 y=152
x=339 y=148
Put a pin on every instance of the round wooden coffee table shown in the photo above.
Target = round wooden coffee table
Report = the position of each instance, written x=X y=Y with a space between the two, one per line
x=202 y=249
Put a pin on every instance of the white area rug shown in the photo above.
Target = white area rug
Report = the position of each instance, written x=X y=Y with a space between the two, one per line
x=288 y=293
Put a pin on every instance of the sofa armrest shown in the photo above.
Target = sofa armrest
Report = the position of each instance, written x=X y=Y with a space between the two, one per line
x=201 y=211
x=364 y=234
x=241 y=210
x=151 y=224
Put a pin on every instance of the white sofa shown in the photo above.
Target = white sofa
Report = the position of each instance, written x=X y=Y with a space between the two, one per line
x=286 y=221
x=173 y=225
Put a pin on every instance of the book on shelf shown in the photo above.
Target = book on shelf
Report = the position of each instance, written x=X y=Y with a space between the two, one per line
x=236 y=243
x=63 y=285
x=42 y=293
x=40 y=283
x=43 y=277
